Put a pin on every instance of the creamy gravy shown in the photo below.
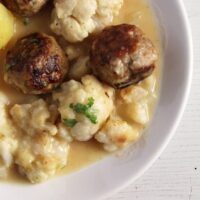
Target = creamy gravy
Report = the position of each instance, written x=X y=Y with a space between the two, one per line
x=134 y=12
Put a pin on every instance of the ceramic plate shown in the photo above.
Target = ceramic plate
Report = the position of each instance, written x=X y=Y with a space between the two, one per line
x=114 y=173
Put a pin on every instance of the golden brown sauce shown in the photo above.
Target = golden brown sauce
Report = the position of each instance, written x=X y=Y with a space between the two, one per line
x=83 y=154
x=134 y=12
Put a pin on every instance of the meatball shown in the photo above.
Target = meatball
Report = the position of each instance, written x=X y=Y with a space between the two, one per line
x=36 y=64
x=121 y=55
x=25 y=7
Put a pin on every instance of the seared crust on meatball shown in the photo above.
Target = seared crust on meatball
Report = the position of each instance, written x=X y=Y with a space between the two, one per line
x=36 y=64
x=25 y=7
x=121 y=55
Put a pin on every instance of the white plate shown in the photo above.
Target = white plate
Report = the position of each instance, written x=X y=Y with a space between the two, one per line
x=111 y=174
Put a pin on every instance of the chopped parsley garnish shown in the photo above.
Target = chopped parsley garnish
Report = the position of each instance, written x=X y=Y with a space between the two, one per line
x=86 y=110
x=91 y=116
x=70 y=122
x=90 y=102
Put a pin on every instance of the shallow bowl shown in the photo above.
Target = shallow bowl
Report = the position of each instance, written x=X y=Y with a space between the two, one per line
x=111 y=174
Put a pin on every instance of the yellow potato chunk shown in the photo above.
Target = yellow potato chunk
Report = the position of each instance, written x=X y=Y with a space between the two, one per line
x=6 y=26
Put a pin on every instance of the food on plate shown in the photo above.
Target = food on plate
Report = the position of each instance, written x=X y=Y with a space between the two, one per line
x=36 y=64
x=8 y=140
x=116 y=134
x=25 y=7
x=40 y=156
x=33 y=118
x=84 y=106
x=6 y=26
x=122 y=55
x=41 y=153
x=80 y=68
x=132 y=103
x=78 y=82
x=76 y=19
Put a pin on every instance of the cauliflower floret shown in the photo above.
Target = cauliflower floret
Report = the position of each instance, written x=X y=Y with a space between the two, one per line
x=84 y=106
x=132 y=103
x=6 y=127
x=8 y=142
x=41 y=156
x=137 y=112
x=40 y=153
x=33 y=118
x=116 y=134
x=64 y=133
x=76 y=19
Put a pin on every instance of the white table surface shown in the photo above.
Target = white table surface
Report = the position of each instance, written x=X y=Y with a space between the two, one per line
x=176 y=175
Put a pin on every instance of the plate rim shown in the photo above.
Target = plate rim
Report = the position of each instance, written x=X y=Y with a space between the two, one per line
x=185 y=95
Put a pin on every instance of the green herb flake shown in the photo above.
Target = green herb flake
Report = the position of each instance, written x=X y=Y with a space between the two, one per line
x=79 y=108
x=70 y=122
x=86 y=110
x=90 y=102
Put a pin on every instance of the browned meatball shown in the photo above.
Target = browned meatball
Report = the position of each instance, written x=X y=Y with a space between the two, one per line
x=25 y=7
x=121 y=55
x=36 y=64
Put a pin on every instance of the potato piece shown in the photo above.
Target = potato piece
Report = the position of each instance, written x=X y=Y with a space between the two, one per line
x=6 y=26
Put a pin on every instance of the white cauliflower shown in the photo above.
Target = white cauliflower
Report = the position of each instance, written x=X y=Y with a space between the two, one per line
x=41 y=156
x=33 y=118
x=76 y=19
x=40 y=152
x=133 y=94
x=8 y=142
x=8 y=146
x=133 y=104
x=126 y=122
x=84 y=107
x=116 y=134
x=64 y=133
x=6 y=128
x=137 y=112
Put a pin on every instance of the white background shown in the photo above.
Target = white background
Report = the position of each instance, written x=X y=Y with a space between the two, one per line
x=176 y=175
